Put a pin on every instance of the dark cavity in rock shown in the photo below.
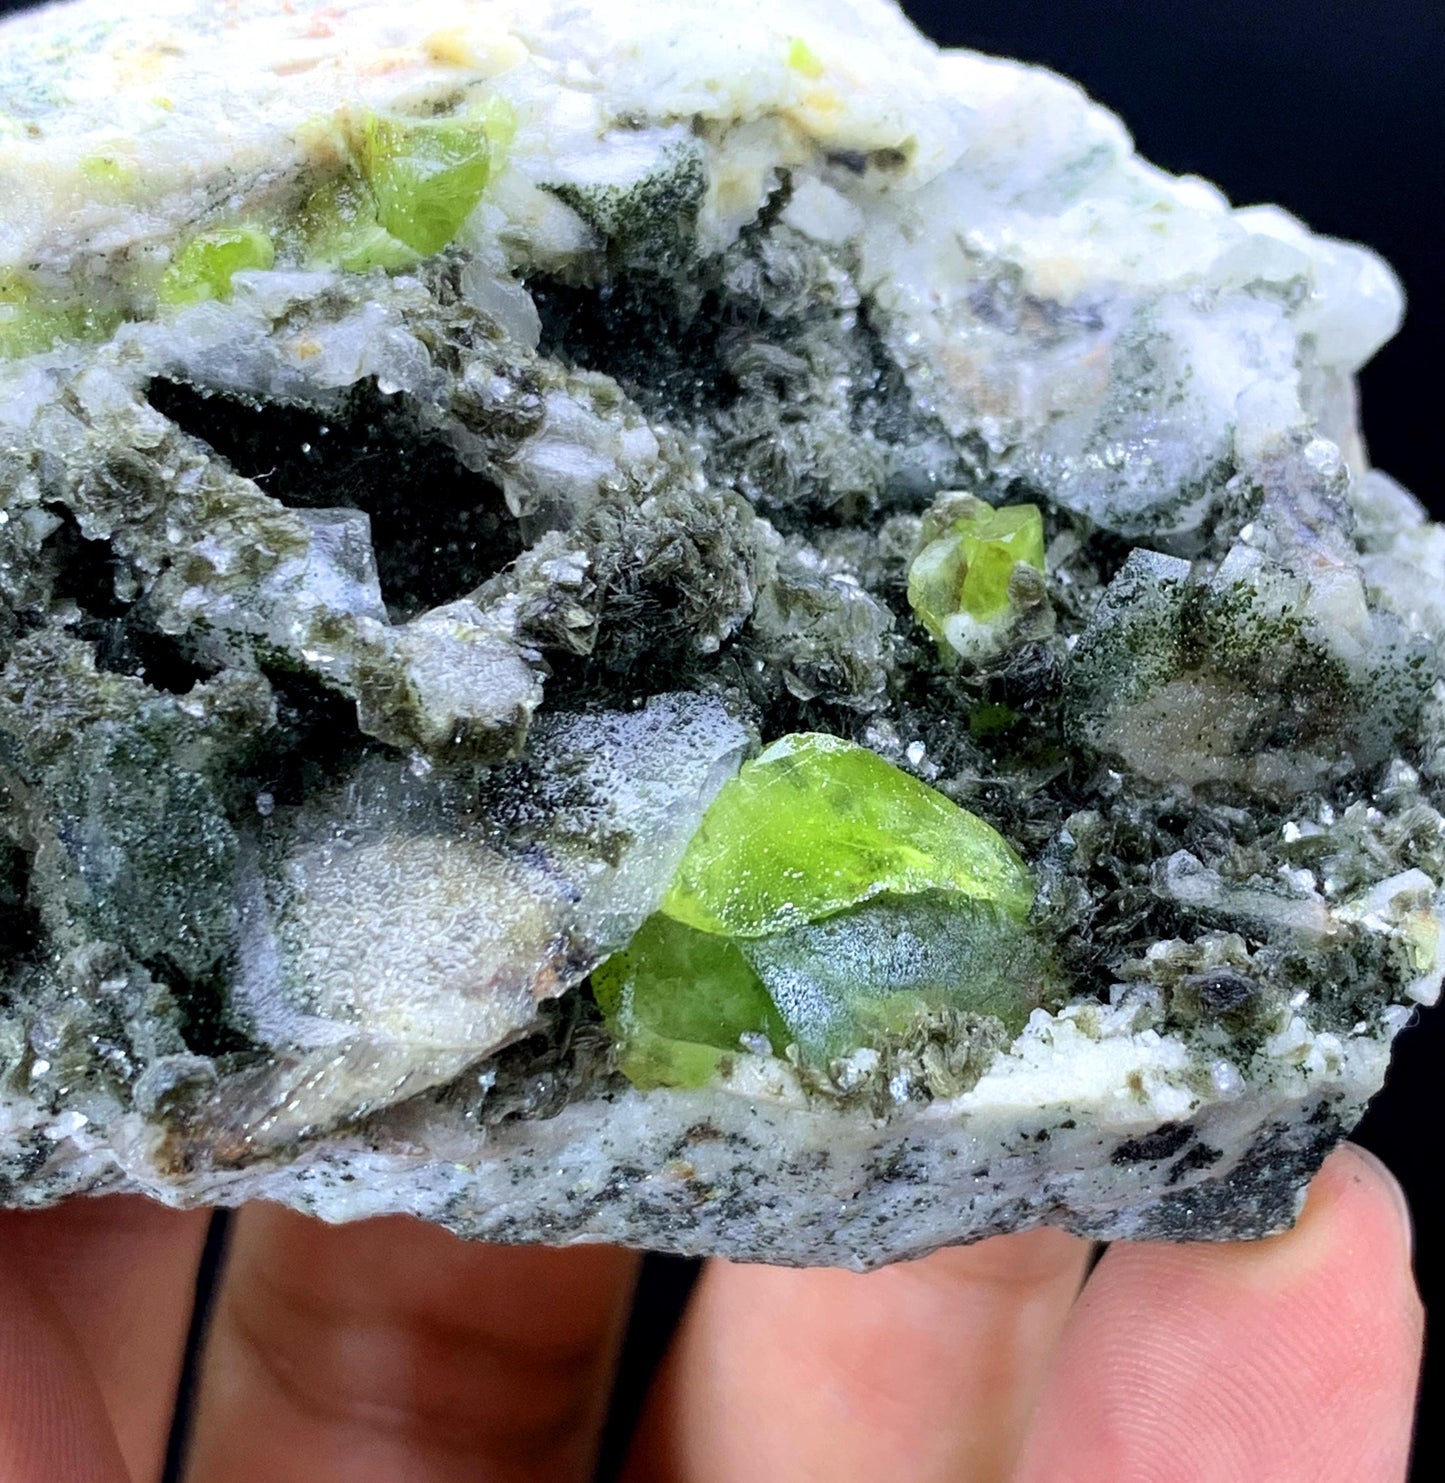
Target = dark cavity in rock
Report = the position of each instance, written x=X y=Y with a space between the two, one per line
x=438 y=528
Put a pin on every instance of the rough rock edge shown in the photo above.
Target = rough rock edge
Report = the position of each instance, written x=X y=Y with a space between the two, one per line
x=681 y=1171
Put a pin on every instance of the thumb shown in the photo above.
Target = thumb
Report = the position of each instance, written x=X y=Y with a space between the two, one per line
x=1294 y=1359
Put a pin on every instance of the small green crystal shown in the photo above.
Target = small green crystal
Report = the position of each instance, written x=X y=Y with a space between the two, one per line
x=816 y=825
x=107 y=176
x=804 y=60
x=340 y=230
x=427 y=175
x=32 y=323
x=205 y=266
x=966 y=568
x=678 y=1001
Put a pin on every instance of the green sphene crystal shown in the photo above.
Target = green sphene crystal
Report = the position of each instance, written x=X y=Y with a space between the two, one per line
x=804 y=60
x=879 y=974
x=339 y=229
x=828 y=901
x=966 y=568
x=679 y=1001
x=205 y=266
x=31 y=323
x=409 y=187
x=427 y=175
x=816 y=825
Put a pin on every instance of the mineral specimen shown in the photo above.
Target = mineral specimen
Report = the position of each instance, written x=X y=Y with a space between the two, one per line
x=692 y=625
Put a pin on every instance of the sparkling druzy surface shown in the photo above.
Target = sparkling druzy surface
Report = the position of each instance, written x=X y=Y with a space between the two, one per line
x=698 y=626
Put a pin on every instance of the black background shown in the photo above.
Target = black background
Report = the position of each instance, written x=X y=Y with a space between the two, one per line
x=1333 y=108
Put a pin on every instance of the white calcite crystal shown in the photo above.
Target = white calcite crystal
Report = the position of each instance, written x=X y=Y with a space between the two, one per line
x=694 y=625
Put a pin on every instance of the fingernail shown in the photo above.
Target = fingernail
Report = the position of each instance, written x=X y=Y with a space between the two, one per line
x=1384 y=1177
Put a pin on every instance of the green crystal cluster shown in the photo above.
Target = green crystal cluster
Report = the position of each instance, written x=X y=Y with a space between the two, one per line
x=829 y=901
x=397 y=189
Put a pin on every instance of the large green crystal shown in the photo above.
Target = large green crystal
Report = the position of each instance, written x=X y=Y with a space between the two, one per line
x=427 y=175
x=816 y=825
x=828 y=901
x=339 y=229
x=680 y=1000
x=409 y=186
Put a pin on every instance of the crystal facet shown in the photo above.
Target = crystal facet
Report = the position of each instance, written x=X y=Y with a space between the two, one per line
x=815 y=825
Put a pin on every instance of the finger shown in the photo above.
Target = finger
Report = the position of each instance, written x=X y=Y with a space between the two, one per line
x=1294 y=1359
x=119 y=1274
x=921 y=1372
x=390 y=1349
x=53 y=1422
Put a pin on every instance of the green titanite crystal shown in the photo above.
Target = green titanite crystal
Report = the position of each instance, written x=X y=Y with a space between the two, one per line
x=406 y=188
x=880 y=974
x=203 y=269
x=816 y=825
x=340 y=230
x=804 y=60
x=828 y=901
x=679 y=1000
x=966 y=569
x=427 y=175
x=31 y=323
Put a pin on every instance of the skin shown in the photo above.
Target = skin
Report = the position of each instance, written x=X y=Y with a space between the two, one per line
x=389 y=1350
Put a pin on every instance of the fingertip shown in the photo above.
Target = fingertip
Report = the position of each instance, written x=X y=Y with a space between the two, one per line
x=53 y=1424
x=1353 y=1174
x=1294 y=1357
x=1355 y=1230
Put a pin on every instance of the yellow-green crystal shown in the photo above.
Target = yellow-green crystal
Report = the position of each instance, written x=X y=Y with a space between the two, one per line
x=967 y=568
x=427 y=175
x=677 y=1001
x=409 y=186
x=828 y=900
x=107 y=176
x=205 y=266
x=804 y=60
x=816 y=825
x=340 y=230
x=32 y=323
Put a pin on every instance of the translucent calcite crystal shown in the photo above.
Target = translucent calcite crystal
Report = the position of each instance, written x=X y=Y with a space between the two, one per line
x=698 y=626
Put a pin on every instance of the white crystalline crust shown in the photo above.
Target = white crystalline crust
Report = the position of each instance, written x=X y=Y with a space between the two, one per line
x=184 y=94
x=117 y=131
x=121 y=128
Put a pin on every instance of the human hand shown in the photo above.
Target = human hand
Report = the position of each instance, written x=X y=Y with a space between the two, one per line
x=389 y=1352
